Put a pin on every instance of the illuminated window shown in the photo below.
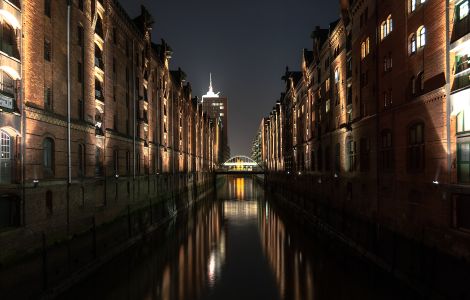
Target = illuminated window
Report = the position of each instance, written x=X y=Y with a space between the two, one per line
x=463 y=121
x=463 y=9
x=412 y=43
x=421 y=42
x=463 y=162
x=386 y=27
x=412 y=5
x=336 y=75
x=365 y=48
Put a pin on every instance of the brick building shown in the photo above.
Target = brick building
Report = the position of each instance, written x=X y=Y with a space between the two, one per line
x=377 y=118
x=91 y=116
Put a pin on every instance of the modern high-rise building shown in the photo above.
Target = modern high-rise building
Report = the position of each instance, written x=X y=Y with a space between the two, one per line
x=216 y=107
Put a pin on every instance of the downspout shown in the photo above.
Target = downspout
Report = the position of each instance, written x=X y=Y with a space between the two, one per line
x=69 y=150
x=133 y=118
x=23 y=130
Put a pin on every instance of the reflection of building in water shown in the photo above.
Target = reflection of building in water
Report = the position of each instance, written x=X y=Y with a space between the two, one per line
x=237 y=210
x=240 y=188
x=200 y=256
x=293 y=272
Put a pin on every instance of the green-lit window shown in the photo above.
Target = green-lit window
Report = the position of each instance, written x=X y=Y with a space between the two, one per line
x=463 y=162
x=463 y=121
x=462 y=10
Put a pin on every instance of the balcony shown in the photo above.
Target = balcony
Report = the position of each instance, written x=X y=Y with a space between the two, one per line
x=7 y=96
x=461 y=82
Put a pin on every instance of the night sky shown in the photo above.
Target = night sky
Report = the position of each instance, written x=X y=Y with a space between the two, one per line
x=246 y=44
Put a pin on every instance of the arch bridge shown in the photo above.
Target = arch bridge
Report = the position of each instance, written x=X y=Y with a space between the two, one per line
x=240 y=164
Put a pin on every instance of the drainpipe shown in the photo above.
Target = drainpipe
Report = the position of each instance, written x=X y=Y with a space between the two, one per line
x=69 y=150
x=448 y=100
x=133 y=117
x=23 y=130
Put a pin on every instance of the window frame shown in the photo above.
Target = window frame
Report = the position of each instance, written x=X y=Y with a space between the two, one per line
x=416 y=148
x=48 y=157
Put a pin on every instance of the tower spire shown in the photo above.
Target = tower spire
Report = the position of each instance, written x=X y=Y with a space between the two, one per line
x=211 y=90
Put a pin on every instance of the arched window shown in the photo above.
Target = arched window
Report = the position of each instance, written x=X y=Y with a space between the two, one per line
x=420 y=82
x=48 y=156
x=336 y=75
x=413 y=43
x=389 y=23
x=416 y=153
x=421 y=37
x=383 y=30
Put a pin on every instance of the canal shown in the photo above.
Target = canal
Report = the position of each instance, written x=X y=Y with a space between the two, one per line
x=238 y=245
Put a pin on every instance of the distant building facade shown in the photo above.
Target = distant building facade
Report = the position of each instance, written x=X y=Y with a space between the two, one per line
x=216 y=107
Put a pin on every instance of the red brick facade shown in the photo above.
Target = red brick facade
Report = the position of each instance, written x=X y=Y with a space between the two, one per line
x=376 y=118
x=132 y=120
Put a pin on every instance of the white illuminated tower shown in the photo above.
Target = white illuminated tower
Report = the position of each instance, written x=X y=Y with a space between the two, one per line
x=216 y=107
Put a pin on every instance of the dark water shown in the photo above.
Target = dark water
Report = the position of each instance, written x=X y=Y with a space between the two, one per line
x=238 y=246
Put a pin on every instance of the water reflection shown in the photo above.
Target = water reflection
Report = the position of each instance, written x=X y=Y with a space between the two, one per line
x=239 y=246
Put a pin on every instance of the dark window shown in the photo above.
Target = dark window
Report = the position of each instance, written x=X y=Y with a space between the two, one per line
x=462 y=212
x=80 y=4
x=365 y=155
x=48 y=157
x=79 y=72
x=116 y=161
x=420 y=82
x=463 y=162
x=49 y=203
x=98 y=162
x=80 y=36
x=128 y=162
x=81 y=160
x=115 y=36
x=351 y=148
x=416 y=153
x=386 y=149
x=47 y=8
x=48 y=98
x=320 y=159
x=47 y=50
x=81 y=109
x=338 y=157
